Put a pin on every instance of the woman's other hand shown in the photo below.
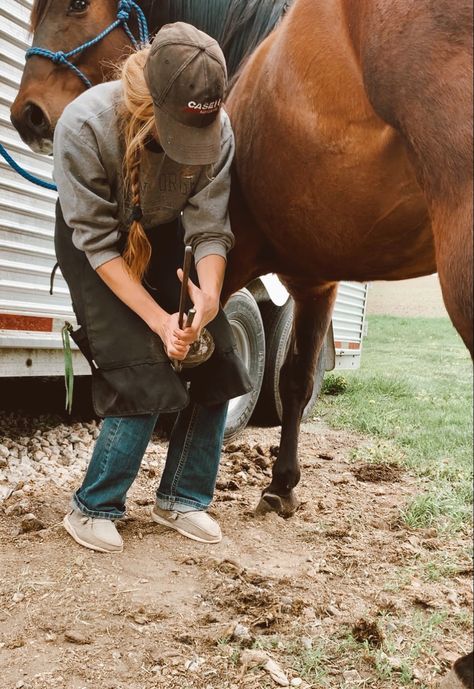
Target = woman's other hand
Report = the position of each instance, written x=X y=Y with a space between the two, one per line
x=206 y=305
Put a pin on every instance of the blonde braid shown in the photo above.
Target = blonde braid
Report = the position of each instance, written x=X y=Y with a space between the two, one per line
x=137 y=125
x=138 y=250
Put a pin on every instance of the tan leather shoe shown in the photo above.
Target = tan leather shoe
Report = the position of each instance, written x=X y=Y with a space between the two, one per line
x=91 y=532
x=197 y=524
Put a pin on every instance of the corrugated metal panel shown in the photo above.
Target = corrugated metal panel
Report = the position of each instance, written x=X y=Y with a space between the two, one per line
x=26 y=210
x=349 y=312
x=349 y=323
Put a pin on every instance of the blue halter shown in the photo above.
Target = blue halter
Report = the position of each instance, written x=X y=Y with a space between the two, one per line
x=125 y=8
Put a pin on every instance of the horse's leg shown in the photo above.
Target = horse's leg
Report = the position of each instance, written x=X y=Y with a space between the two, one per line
x=452 y=230
x=313 y=309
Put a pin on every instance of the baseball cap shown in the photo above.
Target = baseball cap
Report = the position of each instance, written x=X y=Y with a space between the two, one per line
x=187 y=78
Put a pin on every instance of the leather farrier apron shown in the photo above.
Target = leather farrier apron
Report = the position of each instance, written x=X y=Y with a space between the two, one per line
x=131 y=372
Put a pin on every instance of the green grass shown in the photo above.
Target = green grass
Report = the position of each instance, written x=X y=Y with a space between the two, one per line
x=413 y=396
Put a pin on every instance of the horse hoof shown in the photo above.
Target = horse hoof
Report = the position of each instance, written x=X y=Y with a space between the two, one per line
x=284 y=505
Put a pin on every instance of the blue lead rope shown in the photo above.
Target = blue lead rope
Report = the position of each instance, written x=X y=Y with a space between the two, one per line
x=124 y=9
x=24 y=173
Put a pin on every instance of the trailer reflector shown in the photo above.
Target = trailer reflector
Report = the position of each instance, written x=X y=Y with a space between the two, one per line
x=346 y=345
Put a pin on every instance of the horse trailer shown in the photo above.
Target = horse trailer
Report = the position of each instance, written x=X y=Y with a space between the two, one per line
x=31 y=318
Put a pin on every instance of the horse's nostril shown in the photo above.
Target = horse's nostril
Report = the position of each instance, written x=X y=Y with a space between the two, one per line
x=36 y=117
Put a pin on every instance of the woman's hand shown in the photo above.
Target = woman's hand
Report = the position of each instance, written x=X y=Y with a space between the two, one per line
x=175 y=340
x=206 y=305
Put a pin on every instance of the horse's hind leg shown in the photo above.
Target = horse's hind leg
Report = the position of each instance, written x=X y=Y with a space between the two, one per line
x=313 y=309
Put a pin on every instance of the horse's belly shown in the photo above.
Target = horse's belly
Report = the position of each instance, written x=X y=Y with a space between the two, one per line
x=348 y=208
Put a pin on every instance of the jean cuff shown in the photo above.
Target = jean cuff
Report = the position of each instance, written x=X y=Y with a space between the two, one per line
x=97 y=514
x=165 y=502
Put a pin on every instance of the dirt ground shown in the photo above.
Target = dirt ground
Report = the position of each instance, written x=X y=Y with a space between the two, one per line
x=340 y=595
x=418 y=297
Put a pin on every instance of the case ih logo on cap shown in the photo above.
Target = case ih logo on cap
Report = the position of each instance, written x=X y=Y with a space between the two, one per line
x=203 y=108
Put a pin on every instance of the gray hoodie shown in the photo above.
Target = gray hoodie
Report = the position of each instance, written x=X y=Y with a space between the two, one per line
x=88 y=157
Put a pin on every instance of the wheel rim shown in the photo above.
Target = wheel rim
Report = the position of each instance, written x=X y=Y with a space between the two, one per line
x=243 y=348
x=242 y=341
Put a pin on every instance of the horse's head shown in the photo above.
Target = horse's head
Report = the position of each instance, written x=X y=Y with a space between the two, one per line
x=48 y=85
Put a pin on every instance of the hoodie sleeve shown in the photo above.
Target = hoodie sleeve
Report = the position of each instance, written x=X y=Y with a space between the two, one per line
x=85 y=195
x=205 y=216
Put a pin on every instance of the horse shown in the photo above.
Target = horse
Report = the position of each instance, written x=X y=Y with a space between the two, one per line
x=353 y=127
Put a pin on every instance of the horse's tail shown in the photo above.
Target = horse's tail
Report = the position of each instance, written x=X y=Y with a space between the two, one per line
x=238 y=25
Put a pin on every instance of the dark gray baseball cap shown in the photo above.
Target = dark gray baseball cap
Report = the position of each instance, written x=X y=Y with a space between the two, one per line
x=187 y=77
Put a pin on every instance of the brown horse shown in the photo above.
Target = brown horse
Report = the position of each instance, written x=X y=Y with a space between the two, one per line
x=353 y=124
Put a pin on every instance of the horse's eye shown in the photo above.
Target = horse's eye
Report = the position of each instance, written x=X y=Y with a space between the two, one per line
x=78 y=6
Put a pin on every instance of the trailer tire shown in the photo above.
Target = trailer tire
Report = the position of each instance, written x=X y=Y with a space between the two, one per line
x=277 y=321
x=244 y=316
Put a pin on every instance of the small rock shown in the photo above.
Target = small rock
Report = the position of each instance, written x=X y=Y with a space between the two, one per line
x=17 y=509
x=4 y=451
x=252 y=658
x=296 y=682
x=19 y=684
x=276 y=673
x=395 y=662
x=332 y=610
x=18 y=596
x=143 y=502
x=240 y=631
x=452 y=597
x=307 y=643
x=351 y=676
x=232 y=447
x=141 y=619
x=74 y=636
x=194 y=664
x=5 y=492
x=30 y=522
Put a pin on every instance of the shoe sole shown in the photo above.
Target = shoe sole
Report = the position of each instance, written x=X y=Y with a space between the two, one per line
x=159 y=520
x=71 y=531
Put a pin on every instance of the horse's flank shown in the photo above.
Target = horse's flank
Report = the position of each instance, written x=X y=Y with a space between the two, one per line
x=323 y=163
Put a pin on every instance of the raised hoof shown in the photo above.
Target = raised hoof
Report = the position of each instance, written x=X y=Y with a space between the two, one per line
x=285 y=506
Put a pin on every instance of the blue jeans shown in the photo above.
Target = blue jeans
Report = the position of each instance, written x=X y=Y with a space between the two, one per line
x=190 y=472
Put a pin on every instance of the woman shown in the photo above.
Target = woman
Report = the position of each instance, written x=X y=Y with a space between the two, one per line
x=142 y=167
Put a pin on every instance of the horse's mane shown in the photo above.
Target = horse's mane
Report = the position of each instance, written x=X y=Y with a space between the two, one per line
x=238 y=25
x=38 y=11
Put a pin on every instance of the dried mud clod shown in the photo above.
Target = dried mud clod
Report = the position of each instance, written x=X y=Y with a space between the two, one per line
x=368 y=631
x=376 y=473
x=262 y=601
